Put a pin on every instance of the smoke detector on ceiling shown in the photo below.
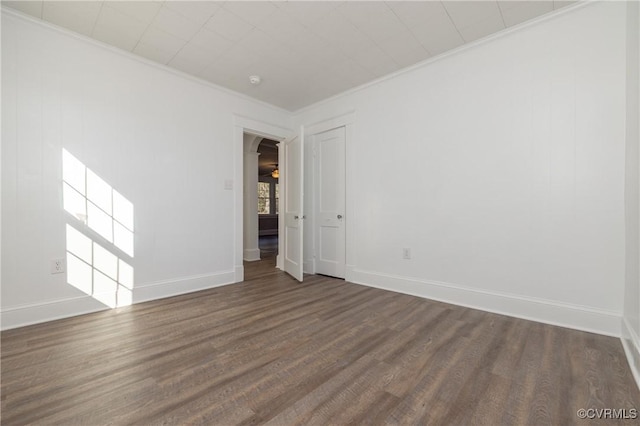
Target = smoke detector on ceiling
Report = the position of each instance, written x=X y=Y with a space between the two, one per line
x=254 y=79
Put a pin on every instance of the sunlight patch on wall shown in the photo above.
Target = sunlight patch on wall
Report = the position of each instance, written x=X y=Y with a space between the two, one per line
x=91 y=267
x=91 y=200
x=96 y=271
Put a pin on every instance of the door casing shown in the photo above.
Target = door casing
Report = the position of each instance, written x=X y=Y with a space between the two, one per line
x=244 y=124
x=346 y=120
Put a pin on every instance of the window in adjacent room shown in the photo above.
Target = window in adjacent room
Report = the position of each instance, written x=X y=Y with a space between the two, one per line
x=264 y=204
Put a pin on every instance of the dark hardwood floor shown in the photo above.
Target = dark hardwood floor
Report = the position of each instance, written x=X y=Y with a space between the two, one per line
x=271 y=350
x=268 y=246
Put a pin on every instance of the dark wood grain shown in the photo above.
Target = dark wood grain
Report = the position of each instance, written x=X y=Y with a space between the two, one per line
x=272 y=350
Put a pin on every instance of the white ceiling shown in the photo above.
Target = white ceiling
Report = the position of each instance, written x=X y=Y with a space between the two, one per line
x=305 y=51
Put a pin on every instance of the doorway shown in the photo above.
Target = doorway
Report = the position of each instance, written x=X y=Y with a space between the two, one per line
x=261 y=197
x=268 y=193
x=291 y=187
x=248 y=133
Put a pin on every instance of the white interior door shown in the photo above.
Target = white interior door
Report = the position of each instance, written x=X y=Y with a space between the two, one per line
x=329 y=203
x=293 y=174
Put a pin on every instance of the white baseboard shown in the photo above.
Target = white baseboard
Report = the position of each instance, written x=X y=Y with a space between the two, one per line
x=20 y=316
x=239 y=275
x=251 y=255
x=350 y=273
x=309 y=266
x=162 y=289
x=631 y=345
x=545 y=311
x=279 y=264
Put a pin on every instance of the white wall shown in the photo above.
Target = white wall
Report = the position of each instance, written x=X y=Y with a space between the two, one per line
x=631 y=321
x=164 y=141
x=501 y=167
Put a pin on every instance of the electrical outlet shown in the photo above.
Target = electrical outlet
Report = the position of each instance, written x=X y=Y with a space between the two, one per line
x=406 y=253
x=57 y=266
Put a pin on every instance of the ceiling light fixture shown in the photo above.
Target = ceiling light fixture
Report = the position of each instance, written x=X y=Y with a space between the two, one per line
x=275 y=173
x=255 y=79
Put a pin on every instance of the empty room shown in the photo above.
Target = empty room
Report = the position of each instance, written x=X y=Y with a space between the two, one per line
x=320 y=212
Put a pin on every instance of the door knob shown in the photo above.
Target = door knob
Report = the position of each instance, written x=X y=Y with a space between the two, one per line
x=339 y=216
x=295 y=217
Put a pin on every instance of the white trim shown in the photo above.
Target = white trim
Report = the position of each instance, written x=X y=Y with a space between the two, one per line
x=49 y=26
x=309 y=266
x=631 y=345
x=35 y=313
x=342 y=120
x=350 y=273
x=262 y=128
x=282 y=166
x=239 y=274
x=175 y=287
x=551 y=15
x=251 y=255
x=545 y=311
x=351 y=163
x=464 y=47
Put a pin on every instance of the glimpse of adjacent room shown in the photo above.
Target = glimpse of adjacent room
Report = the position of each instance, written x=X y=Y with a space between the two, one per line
x=268 y=198
x=261 y=197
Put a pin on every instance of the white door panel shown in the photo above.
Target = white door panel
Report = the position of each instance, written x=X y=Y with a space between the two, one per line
x=330 y=202
x=293 y=175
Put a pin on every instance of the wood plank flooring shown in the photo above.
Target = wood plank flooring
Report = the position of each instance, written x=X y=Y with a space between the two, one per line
x=271 y=350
